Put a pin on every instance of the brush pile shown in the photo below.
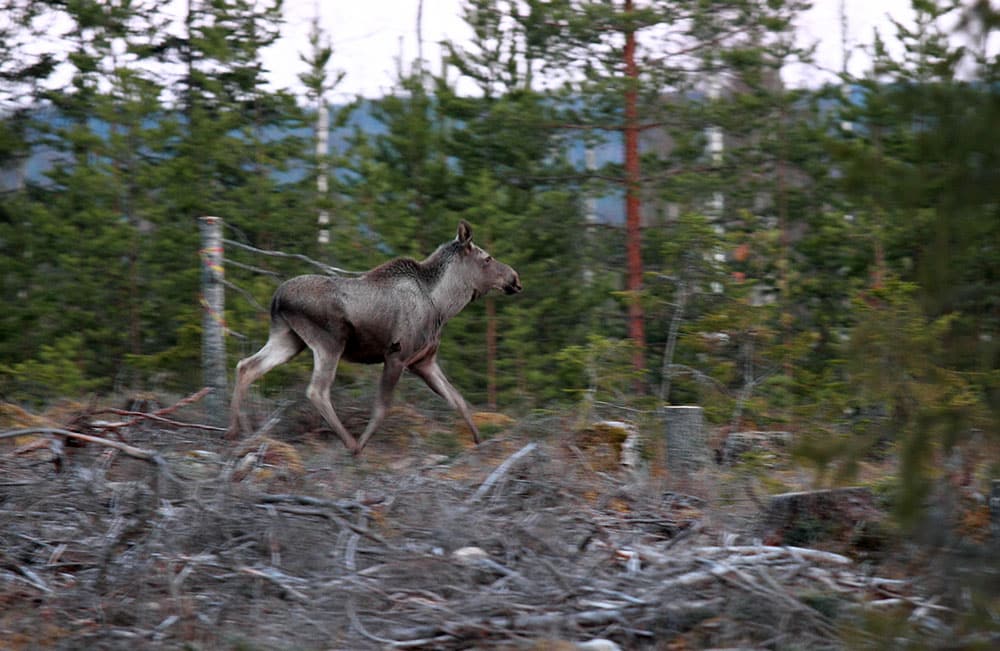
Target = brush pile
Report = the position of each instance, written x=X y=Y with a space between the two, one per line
x=173 y=540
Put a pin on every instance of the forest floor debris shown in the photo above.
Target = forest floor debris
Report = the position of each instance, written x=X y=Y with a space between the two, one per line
x=164 y=536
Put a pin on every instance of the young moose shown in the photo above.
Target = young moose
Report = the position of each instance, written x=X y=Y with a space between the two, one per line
x=391 y=315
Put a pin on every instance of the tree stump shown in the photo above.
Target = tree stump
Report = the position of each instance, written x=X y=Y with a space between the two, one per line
x=804 y=517
x=687 y=445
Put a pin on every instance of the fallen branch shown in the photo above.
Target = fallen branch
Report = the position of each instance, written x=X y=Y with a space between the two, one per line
x=278 y=578
x=144 y=416
x=130 y=450
x=525 y=622
x=55 y=433
x=27 y=574
x=307 y=500
x=500 y=471
x=319 y=513
x=751 y=553
x=157 y=415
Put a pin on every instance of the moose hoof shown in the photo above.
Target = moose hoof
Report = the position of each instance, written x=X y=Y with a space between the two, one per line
x=352 y=446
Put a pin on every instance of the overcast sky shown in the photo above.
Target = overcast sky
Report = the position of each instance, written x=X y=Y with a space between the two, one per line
x=368 y=37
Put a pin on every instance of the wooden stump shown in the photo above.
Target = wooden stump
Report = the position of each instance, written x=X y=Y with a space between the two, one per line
x=687 y=445
x=804 y=517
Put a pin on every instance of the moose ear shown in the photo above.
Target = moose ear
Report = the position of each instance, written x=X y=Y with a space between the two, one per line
x=464 y=233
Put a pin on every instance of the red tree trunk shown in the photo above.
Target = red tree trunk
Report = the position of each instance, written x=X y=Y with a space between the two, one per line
x=633 y=226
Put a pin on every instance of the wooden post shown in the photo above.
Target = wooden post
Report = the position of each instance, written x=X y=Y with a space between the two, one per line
x=687 y=445
x=213 y=324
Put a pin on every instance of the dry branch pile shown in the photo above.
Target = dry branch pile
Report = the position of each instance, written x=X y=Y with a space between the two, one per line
x=509 y=545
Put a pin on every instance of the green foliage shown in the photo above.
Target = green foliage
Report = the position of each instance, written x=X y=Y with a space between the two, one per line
x=833 y=269
x=57 y=371
x=601 y=371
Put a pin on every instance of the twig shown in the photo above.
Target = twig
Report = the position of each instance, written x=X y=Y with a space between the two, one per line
x=150 y=456
x=250 y=267
x=352 y=614
x=144 y=416
x=158 y=414
x=307 y=500
x=28 y=575
x=330 y=270
x=500 y=471
x=130 y=450
x=278 y=578
x=247 y=296
x=367 y=533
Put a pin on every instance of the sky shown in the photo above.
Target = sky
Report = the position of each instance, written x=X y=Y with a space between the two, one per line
x=368 y=37
x=371 y=37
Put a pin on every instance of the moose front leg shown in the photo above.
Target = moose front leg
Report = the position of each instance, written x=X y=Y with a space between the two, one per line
x=429 y=371
x=391 y=371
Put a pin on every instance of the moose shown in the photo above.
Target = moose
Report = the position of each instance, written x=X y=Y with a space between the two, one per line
x=392 y=314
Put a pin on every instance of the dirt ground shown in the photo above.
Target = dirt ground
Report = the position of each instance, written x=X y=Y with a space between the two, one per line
x=536 y=539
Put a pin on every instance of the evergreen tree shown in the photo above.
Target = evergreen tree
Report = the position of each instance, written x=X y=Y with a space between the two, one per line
x=917 y=155
x=625 y=72
x=92 y=212
x=236 y=148
x=514 y=184
x=318 y=83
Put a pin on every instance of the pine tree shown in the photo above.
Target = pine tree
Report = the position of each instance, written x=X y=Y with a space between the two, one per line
x=515 y=186
x=237 y=151
x=626 y=72
x=917 y=155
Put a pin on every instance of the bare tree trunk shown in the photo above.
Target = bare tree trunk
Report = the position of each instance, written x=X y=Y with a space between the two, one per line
x=213 y=334
x=749 y=382
x=420 y=39
x=322 y=182
x=666 y=372
x=633 y=226
x=491 y=353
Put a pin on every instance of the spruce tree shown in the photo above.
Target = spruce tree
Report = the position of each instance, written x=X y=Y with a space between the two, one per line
x=916 y=151
x=94 y=209
x=515 y=185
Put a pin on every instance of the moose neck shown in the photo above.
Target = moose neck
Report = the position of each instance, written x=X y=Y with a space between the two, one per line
x=451 y=293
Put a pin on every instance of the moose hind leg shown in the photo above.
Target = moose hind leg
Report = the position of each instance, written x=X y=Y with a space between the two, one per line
x=327 y=347
x=282 y=345
x=324 y=371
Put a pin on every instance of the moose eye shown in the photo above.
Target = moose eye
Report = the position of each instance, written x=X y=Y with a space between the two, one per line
x=488 y=259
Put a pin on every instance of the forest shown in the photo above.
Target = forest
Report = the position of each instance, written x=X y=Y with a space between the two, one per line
x=822 y=261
